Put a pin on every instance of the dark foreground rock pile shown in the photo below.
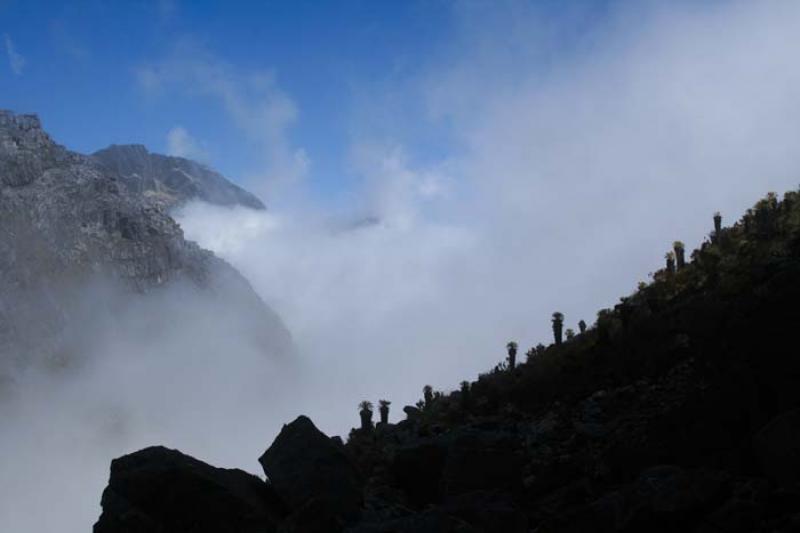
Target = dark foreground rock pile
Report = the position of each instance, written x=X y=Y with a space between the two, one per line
x=313 y=486
x=495 y=475
x=679 y=411
x=157 y=489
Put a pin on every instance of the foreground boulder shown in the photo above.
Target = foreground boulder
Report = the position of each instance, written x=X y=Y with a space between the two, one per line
x=777 y=448
x=309 y=471
x=482 y=461
x=416 y=468
x=161 y=490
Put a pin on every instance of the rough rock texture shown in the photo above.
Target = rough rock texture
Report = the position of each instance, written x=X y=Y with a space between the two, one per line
x=68 y=223
x=169 y=181
x=310 y=471
x=159 y=490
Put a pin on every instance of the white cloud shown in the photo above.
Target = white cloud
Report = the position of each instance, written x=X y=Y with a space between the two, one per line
x=181 y=144
x=393 y=189
x=252 y=100
x=570 y=181
x=15 y=60
x=156 y=370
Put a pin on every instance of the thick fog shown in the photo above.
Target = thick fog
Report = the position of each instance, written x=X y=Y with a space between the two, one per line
x=175 y=367
x=570 y=183
x=562 y=186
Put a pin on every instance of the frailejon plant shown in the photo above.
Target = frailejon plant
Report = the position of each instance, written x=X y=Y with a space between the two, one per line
x=365 y=410
x=512 y=355
x=384 y=410
x=558 y=325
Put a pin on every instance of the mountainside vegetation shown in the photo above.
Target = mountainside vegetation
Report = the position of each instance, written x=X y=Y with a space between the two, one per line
x=677 y=410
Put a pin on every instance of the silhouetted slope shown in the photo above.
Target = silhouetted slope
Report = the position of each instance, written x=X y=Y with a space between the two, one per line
x=679 y=410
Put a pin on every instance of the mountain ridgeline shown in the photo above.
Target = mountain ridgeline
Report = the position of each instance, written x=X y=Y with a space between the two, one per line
x=76 y=229
x=170 y=181
x=678 y=410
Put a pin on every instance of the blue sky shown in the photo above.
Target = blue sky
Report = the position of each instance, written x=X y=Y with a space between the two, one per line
x=345 y=69
x=81 y=60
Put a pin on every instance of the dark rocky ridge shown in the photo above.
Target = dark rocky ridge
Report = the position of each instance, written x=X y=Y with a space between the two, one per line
x=170 y=181
x=678 y=411
x=66 y=224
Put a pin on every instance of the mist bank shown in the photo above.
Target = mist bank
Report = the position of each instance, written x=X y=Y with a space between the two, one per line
x=174 y=365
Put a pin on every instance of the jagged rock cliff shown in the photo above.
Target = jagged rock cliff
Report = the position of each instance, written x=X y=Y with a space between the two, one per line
x=169 y=181
x=67 y=222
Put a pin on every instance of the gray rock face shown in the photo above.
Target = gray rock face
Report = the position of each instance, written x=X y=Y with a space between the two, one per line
x=169 y=181
x=25 y=150
x=66 y=222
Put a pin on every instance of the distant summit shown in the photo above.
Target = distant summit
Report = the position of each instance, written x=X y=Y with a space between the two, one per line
x=170 y=181
x=68 y=222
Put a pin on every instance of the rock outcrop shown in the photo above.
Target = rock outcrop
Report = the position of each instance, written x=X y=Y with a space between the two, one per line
x=777 y=448
x=169 y=181
x=67 y=223
x=312 y=487
x=161 y=490
x=312 y=474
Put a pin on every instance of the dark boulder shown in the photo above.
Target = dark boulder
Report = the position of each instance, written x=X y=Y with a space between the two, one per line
x=306 y=466
x=479 y=460
x=670 y=491
x=159 y=490
x=735 y=516
x=432 y=520
x=417 y=469
x=488 y=511
x=663 y=498
x=777 y=448
x=312 y=517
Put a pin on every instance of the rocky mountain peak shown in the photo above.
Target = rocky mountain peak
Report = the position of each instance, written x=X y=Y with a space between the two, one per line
x=170 y=181
x=26 y=150
x=131 y=151
x=9 y=119
x=68 y=221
